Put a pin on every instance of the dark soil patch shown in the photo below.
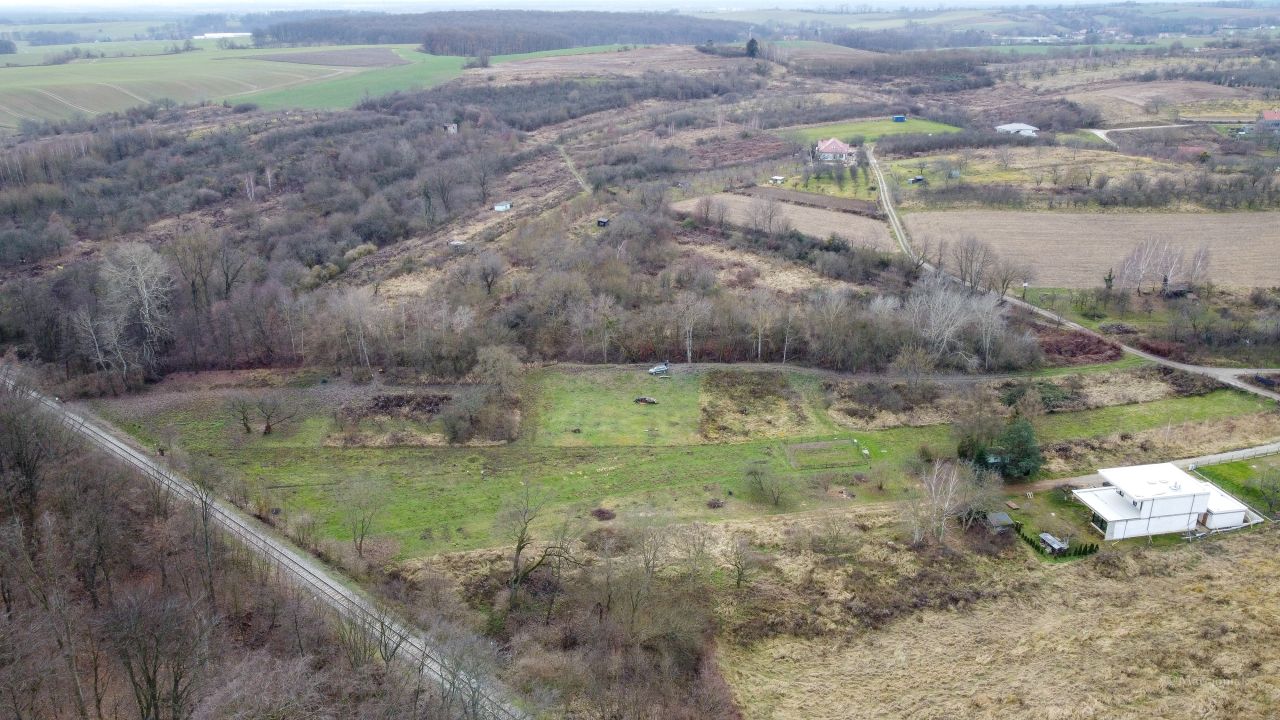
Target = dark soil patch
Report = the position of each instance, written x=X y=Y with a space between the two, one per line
x=1067 y=347
x=871 y=398
x=1185 y=384
x=419 y=405
x=741 y=402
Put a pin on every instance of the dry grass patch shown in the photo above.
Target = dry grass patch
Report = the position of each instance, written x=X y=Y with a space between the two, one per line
x=1181 y=440
x=738 y=268
x=816 y=222
x=1192 y=632
x=1075 y=250
x=738 y=404
x=1138 y=101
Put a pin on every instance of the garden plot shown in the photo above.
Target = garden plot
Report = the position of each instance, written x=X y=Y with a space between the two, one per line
x=830 y=454
x=1139 y=101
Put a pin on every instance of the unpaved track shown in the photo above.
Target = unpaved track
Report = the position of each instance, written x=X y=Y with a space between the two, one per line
x=1104 y=133
x=486 y=696
x=1226 y=376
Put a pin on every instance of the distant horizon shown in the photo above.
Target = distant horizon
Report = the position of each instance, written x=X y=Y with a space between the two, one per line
x=124 y=8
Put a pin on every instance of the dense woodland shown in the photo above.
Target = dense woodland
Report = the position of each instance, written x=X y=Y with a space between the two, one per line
x=253 y=290
x=506 y=31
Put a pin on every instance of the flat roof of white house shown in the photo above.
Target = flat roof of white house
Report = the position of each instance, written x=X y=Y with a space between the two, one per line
x=1016 y=127
x=1107 y=503
x=1146 y=482
x=1221 y=502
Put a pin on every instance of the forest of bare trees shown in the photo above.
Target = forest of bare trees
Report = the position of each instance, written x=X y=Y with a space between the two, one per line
x=117 y=600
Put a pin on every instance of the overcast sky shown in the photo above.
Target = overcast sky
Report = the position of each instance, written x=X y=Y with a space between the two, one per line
x=134 y=7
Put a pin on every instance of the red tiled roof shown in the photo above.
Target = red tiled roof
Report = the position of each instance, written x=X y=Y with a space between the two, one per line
x=1272 y=115
x=835 y=146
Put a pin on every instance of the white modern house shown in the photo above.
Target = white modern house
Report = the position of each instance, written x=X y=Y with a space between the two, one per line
x=1018 y=129
x=1144 y=500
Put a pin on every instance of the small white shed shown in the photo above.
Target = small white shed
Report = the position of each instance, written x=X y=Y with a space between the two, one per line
x=502 y=207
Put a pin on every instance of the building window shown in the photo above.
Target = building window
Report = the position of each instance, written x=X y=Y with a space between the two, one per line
x=1099 y=523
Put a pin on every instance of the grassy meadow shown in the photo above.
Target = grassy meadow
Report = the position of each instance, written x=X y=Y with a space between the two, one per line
x=870 y=130
x=585 y=444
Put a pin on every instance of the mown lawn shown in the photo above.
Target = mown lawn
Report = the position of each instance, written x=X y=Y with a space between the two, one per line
x=1235 y=478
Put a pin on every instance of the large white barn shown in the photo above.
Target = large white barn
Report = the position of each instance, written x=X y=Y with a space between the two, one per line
x=1147 y=500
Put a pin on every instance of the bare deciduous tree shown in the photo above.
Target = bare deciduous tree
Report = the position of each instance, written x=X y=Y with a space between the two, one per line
x=362 y=503
x=275 y=411
x=762 y=309
x=691 y=311
x=487 y=269
x=973 y=260
x=138 y=289
x=942 y=485
x=241 y=407
x=742 y=559
x=516 y=524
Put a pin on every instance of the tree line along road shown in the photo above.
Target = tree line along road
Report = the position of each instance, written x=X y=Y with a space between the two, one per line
x=483 y=697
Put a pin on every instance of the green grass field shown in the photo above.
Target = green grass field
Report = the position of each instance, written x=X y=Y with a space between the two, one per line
x=870 y=130
x=1235 y=478
x=642 y=461
x=87 y=87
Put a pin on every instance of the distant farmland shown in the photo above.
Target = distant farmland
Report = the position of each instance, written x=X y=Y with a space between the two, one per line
x=327 y=78
x=1074 y=250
